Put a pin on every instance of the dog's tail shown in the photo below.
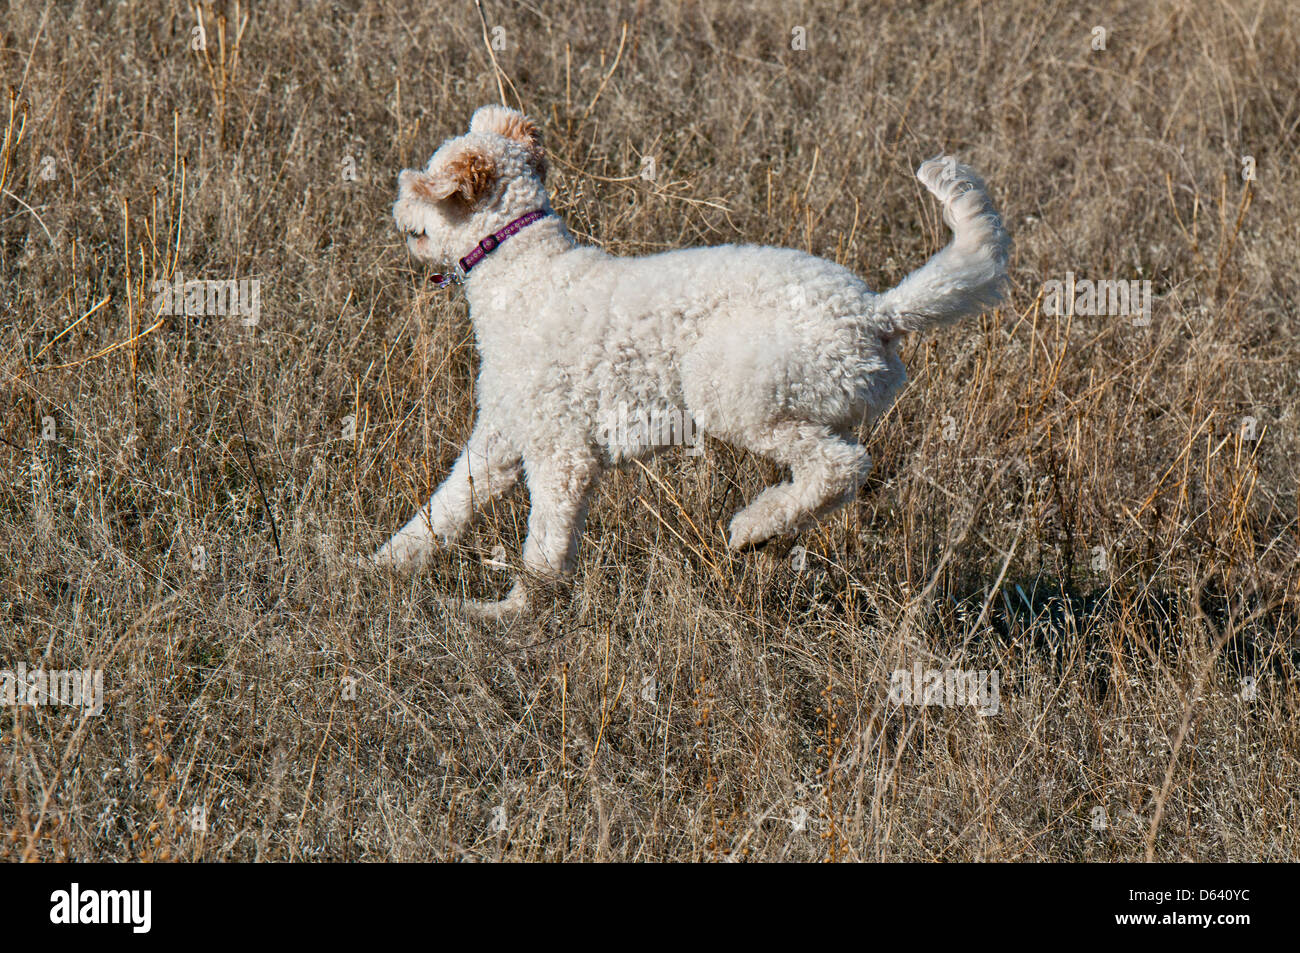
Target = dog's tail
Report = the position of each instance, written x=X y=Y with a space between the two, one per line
x=967 y=276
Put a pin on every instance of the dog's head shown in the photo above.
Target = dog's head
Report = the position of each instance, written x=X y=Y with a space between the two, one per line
x=473 y=185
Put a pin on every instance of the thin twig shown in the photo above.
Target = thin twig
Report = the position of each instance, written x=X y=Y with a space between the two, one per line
x=275 y=535
x=496 y=67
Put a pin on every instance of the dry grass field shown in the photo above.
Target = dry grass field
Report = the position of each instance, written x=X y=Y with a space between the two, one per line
x=1100 y=510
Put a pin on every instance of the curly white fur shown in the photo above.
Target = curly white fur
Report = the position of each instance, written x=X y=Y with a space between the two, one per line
x=771 y=349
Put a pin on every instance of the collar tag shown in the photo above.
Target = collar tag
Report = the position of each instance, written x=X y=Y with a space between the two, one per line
x=453 y=277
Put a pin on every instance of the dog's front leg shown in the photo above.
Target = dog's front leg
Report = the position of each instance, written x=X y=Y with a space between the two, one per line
x=486 y=468
x=558 y=491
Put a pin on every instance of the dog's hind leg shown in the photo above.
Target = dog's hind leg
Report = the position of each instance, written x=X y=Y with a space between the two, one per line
x=827 y=470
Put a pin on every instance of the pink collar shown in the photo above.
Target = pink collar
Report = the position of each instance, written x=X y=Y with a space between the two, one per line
x=486 y=246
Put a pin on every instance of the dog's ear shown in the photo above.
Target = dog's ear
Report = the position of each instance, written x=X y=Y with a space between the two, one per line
x=468 y=175
x=513 y=125
x=422 y=186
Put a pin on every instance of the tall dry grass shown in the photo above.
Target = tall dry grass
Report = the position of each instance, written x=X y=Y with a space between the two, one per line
x=1078 y=504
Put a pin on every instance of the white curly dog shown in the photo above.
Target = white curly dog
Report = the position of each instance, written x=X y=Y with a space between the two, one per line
x=770 y=349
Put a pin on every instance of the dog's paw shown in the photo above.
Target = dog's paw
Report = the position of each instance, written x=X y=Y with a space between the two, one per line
x=514 y=604
x=941 y=173
x=405 y=551
x=747 y=530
